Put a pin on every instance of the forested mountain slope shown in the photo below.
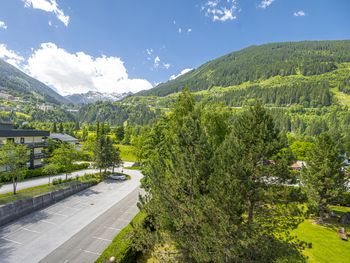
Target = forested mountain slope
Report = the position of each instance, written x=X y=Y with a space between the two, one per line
x=19 y=84
x=259 y=63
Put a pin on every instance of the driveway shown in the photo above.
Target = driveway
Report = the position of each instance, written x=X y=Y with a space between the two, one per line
x=88 y=221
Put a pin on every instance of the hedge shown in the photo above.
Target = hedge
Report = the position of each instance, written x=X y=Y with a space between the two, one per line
x=121 y=246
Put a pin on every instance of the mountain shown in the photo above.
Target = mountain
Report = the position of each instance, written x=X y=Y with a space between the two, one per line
x=262 y=62
x=18 y=84
x=304 y=78
x=92 y=97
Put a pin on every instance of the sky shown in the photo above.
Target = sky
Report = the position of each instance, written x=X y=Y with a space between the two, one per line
x=116 y=46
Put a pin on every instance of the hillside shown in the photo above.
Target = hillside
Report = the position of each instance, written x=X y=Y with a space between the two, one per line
x=257 y=63
x=18 y=84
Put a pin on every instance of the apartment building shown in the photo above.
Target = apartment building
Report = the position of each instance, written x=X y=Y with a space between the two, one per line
x=34 y=139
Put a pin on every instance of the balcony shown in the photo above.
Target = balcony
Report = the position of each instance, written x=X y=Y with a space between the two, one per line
x=36 y=144
x=36 y=156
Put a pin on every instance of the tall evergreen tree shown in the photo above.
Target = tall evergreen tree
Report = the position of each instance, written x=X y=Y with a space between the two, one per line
x=324 y=178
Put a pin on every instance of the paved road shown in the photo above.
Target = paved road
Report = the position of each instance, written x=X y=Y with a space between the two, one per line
x=45 y=180
x=69 y=222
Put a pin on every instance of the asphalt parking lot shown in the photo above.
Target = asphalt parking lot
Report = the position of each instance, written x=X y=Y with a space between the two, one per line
x=76 y=229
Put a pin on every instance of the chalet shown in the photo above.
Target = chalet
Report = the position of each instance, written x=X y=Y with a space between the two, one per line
x=64 y=138
x=35 y=140
x=298 y=165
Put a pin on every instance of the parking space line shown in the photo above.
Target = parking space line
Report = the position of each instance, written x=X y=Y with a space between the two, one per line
x=10 y=240
x=58 y=214
x=87 y=251
x=104 y=239
x=48 y=222
x=113 y=228
x=24 y=228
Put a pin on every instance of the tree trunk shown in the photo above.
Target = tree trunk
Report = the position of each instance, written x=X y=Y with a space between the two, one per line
x=14 y=185
x=100 y=172
x=113 y=169
x=49 y=178
x=321 y=214
x=66 y=176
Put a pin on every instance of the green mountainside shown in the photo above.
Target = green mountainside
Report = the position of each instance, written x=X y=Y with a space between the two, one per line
x=256 y=63
x=17 y=83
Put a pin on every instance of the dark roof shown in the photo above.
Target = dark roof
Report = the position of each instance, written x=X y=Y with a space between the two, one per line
x=23 y=133
x=63 y=137
x=5 y=125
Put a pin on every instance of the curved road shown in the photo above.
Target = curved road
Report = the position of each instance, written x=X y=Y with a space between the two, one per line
x=76 y=229
x=45 y=180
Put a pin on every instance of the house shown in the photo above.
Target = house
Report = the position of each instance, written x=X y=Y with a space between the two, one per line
x=45 y=107
x=298 y=165
x=35 y=140
x=62 y=137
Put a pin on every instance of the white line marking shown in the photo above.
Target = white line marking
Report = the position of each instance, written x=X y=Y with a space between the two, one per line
x=48 y=222
x=58 y=214
x=7 y=239
x=66 y=261
x=104 y=239
x=87 y=251
x=24 y=228
x=109 y=227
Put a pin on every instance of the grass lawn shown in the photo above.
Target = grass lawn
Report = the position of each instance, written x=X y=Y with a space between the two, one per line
x=127 y=153
x=29 y=192
x=326 y=245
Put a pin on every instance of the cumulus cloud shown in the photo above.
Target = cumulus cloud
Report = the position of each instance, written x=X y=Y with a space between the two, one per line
x=266 y=3
x=184 y=71
x=10 y=56
x=221 y=10
x=50 y=6
x=300 y=13
x=3 y=25
x=71 y=73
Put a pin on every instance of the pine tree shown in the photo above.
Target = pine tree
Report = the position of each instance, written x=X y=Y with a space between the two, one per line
x=324 y=178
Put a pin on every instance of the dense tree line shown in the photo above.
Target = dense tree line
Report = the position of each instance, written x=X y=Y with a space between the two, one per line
x=117 y=113
x=306 y=94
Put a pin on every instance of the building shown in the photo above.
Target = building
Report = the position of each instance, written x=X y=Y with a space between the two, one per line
x=45 y=107
x=298 y=165
x=62 y=137
x=34 y=139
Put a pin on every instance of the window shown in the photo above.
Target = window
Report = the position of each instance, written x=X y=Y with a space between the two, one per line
x=22 y=140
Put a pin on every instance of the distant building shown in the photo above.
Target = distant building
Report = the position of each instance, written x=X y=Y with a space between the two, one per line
x=62 y=137
x=34 y=139
x=298 y=165
x=45 y=107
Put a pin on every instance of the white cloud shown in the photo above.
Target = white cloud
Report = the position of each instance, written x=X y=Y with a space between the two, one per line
x=221 y=10
x=156 y=62
x=184 y=71
x=266 y=3
x=149 y=51
x=189 y=30
x=180 y=30
x=10 y=56
x=50 y=6
x=166 y=65
x=79 y=72
x=3 y=25
x=300 y=13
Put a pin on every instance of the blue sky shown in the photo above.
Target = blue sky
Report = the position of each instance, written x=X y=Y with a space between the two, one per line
x=121 y=45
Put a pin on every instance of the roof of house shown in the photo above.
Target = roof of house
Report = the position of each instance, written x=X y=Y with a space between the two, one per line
x=23 y=133
x=63 y=137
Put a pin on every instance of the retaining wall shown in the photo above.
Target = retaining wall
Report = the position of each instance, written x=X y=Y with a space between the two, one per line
x=17 y=209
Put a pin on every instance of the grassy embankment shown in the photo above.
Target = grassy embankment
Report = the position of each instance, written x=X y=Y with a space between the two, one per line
x=326 y=245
